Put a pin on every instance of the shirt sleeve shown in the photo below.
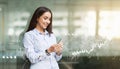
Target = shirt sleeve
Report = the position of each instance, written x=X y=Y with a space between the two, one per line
x=58 y=57
x=33 y=56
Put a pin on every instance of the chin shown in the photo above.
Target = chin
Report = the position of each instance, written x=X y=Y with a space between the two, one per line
x=45 y=27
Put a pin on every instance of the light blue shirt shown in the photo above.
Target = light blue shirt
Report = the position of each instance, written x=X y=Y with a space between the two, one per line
x=35 y=44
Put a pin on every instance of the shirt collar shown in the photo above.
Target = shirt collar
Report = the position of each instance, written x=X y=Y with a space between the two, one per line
x=46 y=32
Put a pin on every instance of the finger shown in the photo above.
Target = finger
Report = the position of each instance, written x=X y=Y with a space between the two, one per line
x=61 y=43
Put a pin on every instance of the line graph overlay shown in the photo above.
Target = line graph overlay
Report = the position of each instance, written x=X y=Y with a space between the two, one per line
x=84 y=45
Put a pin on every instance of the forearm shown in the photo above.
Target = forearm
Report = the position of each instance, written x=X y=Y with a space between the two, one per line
x=35 y=57
x=58 y=56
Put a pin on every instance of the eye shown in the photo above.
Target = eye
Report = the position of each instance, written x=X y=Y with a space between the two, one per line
x=45 y=18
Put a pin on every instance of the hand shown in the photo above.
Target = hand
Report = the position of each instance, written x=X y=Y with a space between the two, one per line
x=58 y=48
x=51 y=48
x=61 y=43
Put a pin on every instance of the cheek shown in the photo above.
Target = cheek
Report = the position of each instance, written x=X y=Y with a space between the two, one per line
x=41 y=21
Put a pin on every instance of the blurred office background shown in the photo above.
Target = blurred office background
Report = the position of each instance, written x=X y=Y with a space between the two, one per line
x=89 y=28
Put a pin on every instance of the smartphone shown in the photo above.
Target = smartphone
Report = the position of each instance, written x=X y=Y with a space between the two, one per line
x=59 y=41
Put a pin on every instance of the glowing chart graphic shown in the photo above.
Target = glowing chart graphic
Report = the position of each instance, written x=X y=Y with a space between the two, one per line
x=85 y=46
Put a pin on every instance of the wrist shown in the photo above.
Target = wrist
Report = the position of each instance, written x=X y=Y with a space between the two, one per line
x=58 y=53
x=47 y=52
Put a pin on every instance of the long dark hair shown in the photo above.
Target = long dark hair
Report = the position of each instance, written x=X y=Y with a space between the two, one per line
x=39 y=12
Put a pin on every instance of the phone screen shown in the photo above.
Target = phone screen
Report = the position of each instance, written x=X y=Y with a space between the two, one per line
x=59 y=41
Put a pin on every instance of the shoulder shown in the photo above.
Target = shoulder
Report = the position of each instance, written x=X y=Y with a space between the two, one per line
x=52 y=35
x=29 y=34
x=53 y=38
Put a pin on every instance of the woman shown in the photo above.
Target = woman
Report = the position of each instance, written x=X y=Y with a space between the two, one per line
x=40 y=43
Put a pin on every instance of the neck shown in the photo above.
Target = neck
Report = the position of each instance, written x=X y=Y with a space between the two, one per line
x=40 y=29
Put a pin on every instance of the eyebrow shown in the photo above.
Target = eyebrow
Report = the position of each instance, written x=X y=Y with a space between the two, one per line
x=47 y=16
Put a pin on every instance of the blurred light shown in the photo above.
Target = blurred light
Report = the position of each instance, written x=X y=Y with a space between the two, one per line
x=10 y=31
x=11 y=57
x=85 y=24
x=0 y=9
x=109 y=24
x=7 y=57
x=3 y=57
x=14 y=57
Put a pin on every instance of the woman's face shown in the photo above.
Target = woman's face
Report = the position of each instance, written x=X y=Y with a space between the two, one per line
x=44 y=20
